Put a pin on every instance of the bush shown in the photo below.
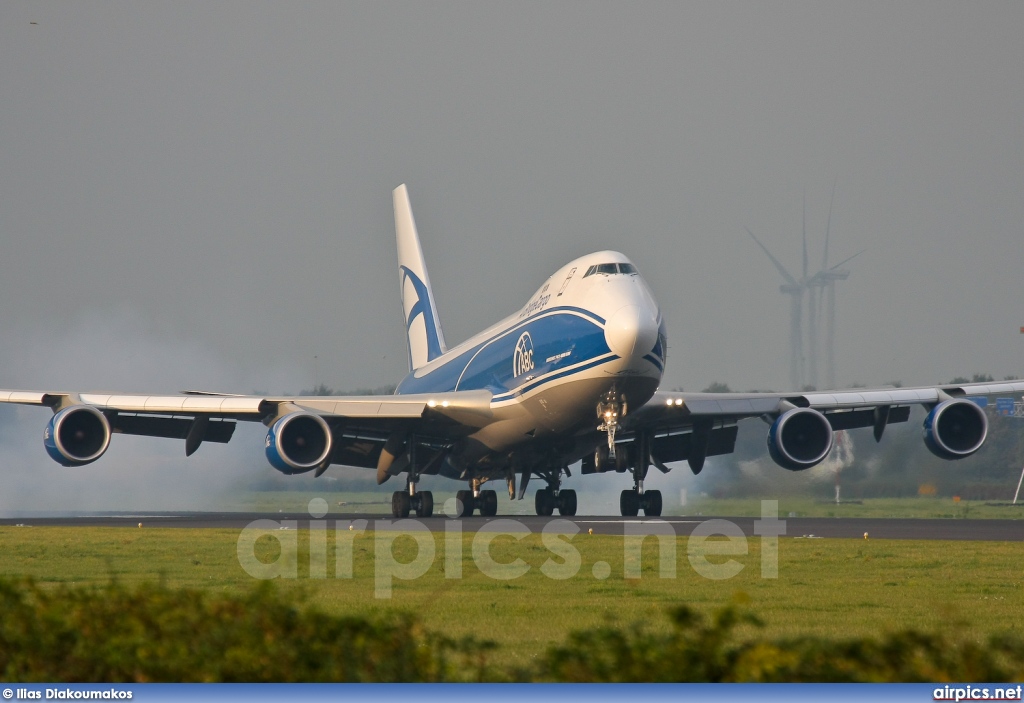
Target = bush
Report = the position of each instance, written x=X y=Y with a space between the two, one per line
x=697 y=649
x=154 y=633
x=150 y=632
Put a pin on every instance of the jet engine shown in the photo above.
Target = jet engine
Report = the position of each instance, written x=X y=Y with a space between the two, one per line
x=799 y=439
x=955 y=429
x=77 y=435
x=298 y=442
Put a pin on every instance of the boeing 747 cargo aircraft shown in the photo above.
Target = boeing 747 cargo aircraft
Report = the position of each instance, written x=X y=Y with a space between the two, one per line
x=572 y=376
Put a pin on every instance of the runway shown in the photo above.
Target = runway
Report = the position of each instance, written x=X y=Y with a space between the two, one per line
x=794 y=527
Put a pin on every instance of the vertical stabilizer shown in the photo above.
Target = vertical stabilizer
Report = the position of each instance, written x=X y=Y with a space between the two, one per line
x=422 y=328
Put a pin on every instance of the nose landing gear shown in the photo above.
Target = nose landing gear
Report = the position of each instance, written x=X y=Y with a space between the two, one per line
x=609 y=411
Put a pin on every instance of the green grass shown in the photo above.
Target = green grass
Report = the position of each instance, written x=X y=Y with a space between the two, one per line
x=829 y=588
x=344 y=503
x=923 y=507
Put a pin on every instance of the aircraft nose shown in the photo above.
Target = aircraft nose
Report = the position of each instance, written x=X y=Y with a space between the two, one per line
x=631 y=332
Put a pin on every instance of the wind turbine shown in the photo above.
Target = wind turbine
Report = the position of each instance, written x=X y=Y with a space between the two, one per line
x=794 y=289
x=822 y=281
x=803 y=370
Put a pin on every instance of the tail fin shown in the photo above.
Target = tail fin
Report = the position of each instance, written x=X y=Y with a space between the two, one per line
x=423 y=329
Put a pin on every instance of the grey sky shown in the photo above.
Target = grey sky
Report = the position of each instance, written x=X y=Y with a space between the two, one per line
x=198 y=194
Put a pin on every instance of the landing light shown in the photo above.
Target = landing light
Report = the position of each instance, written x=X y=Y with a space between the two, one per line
x=668 y=402
x=679 y=401
x=432 y=403
x=444 y=404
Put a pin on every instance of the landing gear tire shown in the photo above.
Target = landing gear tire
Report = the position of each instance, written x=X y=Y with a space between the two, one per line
x=629 y=503
x=488 y=503
x=544 y=501
x=650 y=501
x=601 y=460
x=425 y=504
x=566 y=502
x=400 y=504
x=621 y=459
x=464 y=503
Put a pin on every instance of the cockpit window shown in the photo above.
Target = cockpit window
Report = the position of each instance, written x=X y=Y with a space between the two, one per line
x=610 y=269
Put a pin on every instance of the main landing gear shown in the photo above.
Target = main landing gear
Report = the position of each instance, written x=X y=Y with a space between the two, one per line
x=554 y=497
x=402 y=502
x=632 y=501
x=475 y=499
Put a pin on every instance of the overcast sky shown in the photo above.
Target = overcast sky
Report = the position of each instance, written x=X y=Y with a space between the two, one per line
x=219 y=176
x=199 y=194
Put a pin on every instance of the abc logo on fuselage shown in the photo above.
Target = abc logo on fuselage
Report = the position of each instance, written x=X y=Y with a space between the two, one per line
x=522 y=359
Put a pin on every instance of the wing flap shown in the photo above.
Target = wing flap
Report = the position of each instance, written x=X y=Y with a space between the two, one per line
x=171 y=427
x=853 y=419
x=677 y=447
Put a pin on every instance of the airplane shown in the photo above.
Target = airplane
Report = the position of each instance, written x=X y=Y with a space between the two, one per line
x=572 y=376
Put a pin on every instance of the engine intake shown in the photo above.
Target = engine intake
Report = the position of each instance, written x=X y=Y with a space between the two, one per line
x=298 y=442
x=955 y=429
x=799 y=439
x=77 y=435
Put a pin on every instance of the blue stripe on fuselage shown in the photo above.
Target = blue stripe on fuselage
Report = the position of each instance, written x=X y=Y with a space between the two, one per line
x=561 y=338
x=530 y=385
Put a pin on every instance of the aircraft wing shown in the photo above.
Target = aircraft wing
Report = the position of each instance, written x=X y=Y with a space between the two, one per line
x=466 y=407
x=670 y=408
x=359 y=426
x=693 y=426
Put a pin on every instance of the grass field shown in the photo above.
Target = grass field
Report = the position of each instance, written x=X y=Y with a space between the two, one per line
x=833 y=588
x=348 y=503
x=923 y=507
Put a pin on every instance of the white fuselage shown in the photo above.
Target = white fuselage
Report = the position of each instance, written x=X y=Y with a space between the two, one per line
x=591 y=330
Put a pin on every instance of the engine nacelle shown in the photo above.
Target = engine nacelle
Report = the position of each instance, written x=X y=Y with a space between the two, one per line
x=298 y=442
x=955 y=429
x=77 y=435
x=799 y=439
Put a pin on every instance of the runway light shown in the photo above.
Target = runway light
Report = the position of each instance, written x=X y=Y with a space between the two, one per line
x=865 y=535
x=140 y=524
x=590 y=531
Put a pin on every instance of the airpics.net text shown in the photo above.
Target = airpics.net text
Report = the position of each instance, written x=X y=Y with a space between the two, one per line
x=565 y=560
